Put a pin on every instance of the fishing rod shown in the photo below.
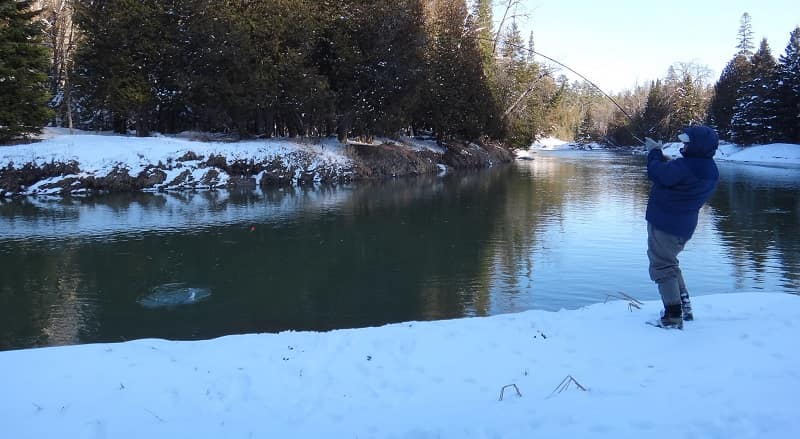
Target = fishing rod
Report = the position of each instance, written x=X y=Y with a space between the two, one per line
x=529 y=50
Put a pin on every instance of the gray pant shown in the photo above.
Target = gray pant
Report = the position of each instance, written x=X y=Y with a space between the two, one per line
x=662 y=250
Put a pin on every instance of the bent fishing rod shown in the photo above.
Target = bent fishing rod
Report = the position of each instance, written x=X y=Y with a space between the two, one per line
x=529 y=50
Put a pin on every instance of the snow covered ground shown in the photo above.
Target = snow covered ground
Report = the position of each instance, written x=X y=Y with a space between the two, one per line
x=772 y=154
x=778 y=154
x=732 y=373
x=99 y=154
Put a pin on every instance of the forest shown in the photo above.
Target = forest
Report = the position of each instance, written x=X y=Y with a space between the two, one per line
x=356 y=69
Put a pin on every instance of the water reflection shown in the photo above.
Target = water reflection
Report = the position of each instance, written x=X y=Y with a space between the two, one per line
x=758 y=216
x=561 y=231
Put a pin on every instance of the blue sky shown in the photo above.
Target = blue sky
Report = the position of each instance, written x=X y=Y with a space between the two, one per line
x=616 y=43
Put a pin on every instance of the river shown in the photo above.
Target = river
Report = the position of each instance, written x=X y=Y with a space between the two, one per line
x=564 y=230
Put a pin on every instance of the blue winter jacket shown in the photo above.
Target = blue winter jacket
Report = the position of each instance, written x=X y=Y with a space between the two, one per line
x=682 y=186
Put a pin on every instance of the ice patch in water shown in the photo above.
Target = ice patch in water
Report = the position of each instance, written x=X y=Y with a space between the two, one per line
x=173 y=294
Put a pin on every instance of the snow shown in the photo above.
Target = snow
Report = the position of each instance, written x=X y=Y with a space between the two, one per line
x=732 y=373
x=551 y=144
x=773 y=154
x=777 y=154
x=98 y=154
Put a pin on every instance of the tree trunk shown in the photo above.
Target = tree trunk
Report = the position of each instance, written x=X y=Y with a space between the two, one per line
x=343 y=126
x=142 y=124
x=68 y=99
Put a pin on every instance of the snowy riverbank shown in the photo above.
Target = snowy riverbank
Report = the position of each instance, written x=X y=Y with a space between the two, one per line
x=732 y=373
x=776 y=154
x=85 y=162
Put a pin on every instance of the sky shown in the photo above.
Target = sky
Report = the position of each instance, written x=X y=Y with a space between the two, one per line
x=617 y=43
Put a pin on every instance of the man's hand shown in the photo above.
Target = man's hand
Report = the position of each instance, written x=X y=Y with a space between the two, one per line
x=652 y=144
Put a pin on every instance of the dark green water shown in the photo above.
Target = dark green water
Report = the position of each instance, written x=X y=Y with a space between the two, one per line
x=562 y=231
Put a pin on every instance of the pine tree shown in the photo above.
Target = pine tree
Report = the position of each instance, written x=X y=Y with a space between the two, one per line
x=787 y=122
x=23 y=71
x=484 y=22
x=726 y=92
x=372 y=54
x=586 y=131
x=655 y=117
x=120 y=68
x=518 y=83
x=391 y=38
x=754 y=113
x=687 y=106
x=531 y=48
x=455 y=101
x=745 y=44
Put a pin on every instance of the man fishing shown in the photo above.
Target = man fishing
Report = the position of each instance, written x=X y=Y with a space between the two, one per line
x=680 y=188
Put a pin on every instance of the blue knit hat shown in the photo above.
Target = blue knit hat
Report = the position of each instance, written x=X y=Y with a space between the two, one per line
x=700 y=141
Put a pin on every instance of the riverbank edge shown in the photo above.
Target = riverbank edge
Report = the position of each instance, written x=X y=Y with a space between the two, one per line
x=300 y=167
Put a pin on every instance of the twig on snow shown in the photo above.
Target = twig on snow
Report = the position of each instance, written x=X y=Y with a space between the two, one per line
x=160 y=419
x=507 y=386
x=564 y=385
x=632 y=301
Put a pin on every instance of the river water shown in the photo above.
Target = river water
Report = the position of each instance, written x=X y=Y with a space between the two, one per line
x=562 y=231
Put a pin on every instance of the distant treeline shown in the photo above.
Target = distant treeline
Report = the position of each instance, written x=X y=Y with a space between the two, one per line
x=350 y=68
x=756 y=99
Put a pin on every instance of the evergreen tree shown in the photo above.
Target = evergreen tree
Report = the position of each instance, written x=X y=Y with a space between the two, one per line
x=587 y=130
x=726 y=92
x=745 y=35
x=485 y=22
x=513 y=48
x=754 y=113
x=687 y=106
x=518 y=89
x=531 y=49
x=121 y=68
x=372 y=55
x=391 y=39
x=23 y=71
x=654 y=121
x=455 y=101
x=787 y=122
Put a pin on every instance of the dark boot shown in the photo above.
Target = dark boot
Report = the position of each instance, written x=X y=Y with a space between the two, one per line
x=672 y=317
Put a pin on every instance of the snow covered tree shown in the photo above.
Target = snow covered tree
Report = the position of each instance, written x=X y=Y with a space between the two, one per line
x=23 y=71
x=726 y=92
x=754 y=113
x=787 y=121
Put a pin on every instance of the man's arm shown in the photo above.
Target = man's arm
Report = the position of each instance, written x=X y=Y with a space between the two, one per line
x=665 y=173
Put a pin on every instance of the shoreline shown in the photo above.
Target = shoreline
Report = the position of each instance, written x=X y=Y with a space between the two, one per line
x=78 y=164
x=422 y=379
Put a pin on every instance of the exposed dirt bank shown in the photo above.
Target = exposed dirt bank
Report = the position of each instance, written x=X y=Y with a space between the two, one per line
x=307 y=164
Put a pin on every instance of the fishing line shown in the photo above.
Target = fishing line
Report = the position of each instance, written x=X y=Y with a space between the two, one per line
x=529 y=50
